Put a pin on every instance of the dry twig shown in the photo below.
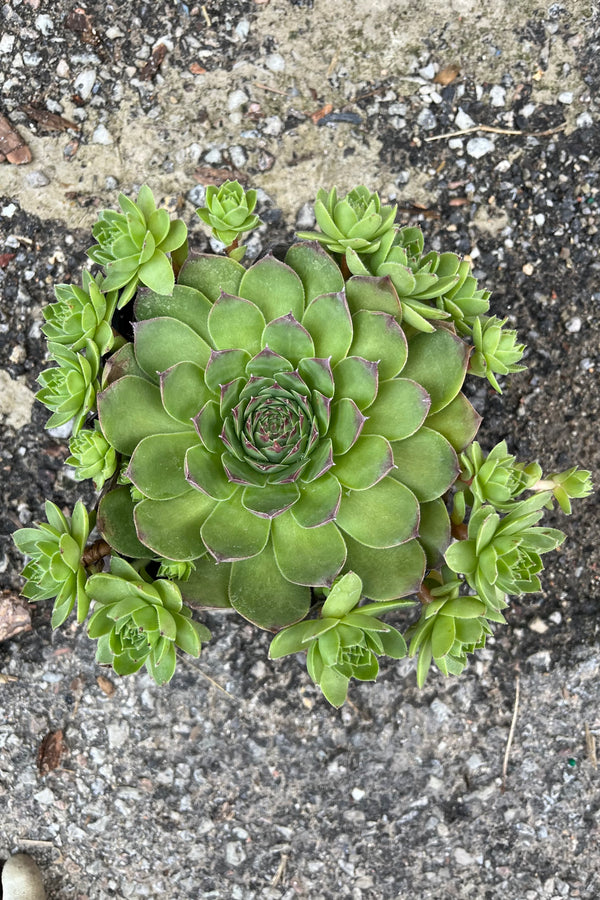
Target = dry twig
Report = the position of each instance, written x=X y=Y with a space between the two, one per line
x=493 y=130
x=511 y=734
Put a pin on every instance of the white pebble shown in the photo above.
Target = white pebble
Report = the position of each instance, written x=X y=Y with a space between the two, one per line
x=497 y=95
x=428 y=71
x=102 y=135
x=6 y=43
x=565 y=97
x=463 y=858
x=234 y=853
x=237 y=156
x=538 y=625
x=84 y=83
x=574 y=324
x=357 y=794
x=275 y=62
x=236 y=99
x=479 y=146
x=426 y=119
x=456 y=143
x=242 y=29
x=463 y=120
x=584 y=120
x=44 y=24
x=21 y=879
x=539 y=219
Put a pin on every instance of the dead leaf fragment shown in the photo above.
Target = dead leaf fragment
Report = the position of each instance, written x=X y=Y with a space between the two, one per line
x=197 y=69
x=324 y=111
x=210 y=175
x=447 y=75
x=154 y=63
x=48 y=120
x=15 y=615
x=12 y=146
x=106 y=685
x=82 y=24
x=51 y=752
x=5 y=258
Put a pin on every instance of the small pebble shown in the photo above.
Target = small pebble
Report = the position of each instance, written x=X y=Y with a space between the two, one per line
x=428 y=71
x=426 y=119
x=236 y=100
x=463 y=858
x=584 y=120
x=84 y=83
x=574 y=324
x=538 y=625
x=102 y=135
x=566 y=97
x=306 y=217
x=479 y=146
x=497 y=95
x=462 y=120
x=22 y=879
x=237 y=156
x=528 y=269
x=234 y=853
x=275 y=62
x=37 y=179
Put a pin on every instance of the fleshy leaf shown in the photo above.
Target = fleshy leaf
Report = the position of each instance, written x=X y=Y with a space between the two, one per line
x=317 y=270
x=426 y=463
x=378 y=337
x=310 y=556
x=157 y=464
x=171 y=528
x=399 y=409
x=261 y=594
x=212 y=275
x=274 y=288
x=438 y=362
x=231 y=532
x=234 y=322
x=131 y=409
x=385 y=515
x=328 y=321
x=390 y=573
x=163 y=342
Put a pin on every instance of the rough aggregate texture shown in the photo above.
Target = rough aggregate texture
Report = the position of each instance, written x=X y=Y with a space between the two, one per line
x=249 y=785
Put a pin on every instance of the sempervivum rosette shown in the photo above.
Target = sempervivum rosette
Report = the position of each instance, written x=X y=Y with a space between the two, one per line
x=281 y=428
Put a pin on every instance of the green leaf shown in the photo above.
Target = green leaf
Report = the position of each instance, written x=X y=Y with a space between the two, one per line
x=356 y=378
x=390 y=573
x=385 y=515
x=234 y=322
x=163 y=342
x=434 y=531
x=438 y=362
x=426 y=463
x=187 y=638
x=274 y=288
x=334 y=687
x=205 y=471
x=394 y=644
x=289 y=338
x=461 y=557
x=171 y=528
x=183 y=391
x=163 y=671
x=442 y=636
x=157 y=273
x=346 y=424
x=261 y=594
x=464 y=608
x=292 y=639
x=232 y=532
x=370 y=293
x=185 y=304
x=317 y=270
x=208 y=585
x=399 y=409
x=116 y=525
x=367 y=462
x=328 y=320
x=175 y=237
x=271 y=500
x=212 y=275
x=131 y=409
x=378 y=337
x=319 y=503
x=157 y=465
x=343 y=597
x=310 y=556
x=458 y=422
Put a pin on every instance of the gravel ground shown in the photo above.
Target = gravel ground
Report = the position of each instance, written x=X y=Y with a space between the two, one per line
x=238 y=781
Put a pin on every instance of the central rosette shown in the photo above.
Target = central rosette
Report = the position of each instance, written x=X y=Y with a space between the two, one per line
x=273 y=426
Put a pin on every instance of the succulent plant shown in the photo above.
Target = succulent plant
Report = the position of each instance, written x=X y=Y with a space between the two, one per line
x=496 y=350
x=55 y=569
x=345 y=640
x=69 y=389
x=288 y=439
x=138 y=621
x=496 y=478
x=501 y=554
x=229 y=212
x=92 y=456
x=132 y=245
x=280 y=420
x=81 y=314
x=356 y=222
x=450 y=627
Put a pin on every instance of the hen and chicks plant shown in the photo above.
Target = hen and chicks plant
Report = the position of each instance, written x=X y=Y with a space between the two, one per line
x=289 y=440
